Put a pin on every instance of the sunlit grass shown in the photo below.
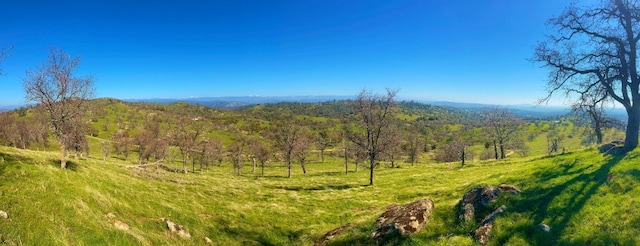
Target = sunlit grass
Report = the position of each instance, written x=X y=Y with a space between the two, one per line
x=67 y=207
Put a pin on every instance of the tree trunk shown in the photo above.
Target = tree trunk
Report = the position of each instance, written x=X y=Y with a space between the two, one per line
x=633 y=125
x=289 y=168
x=346 y=162
x=495 y=148
x=184 y=165
x=322 y=155
x=262 y=162
x=598 y=131
x=372 y=164
x=502 y=154
x=304 y=170
x=462 y=157
x=253 y=161
x=63 y=156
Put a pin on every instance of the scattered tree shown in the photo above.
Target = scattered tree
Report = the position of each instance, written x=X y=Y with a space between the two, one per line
x=288 y=139
x=376 y=113
x=502 y=127
x=412 y=147
x=591 y=105
x=55 y=87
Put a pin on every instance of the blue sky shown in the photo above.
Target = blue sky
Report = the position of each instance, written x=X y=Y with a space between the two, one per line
x=464 y=51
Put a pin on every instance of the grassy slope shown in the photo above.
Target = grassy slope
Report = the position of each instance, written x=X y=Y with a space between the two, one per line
x=67 y=207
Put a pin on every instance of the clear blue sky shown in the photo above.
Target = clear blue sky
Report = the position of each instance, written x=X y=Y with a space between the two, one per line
x=465 y=51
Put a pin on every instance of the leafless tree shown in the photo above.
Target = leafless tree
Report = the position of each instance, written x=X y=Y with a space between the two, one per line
x=376 y=114
x=210 y=151
x=502 y=127
x=325 y=139
x=55 y=87
x=597 y=47
x=105 y=146
x=288 y=138
x=412 y=146
x=261 y=152
x=391 y=151
x=303 y=149
x=592 y=105
x=121 y=142
x=186 y=139
x=236 y=154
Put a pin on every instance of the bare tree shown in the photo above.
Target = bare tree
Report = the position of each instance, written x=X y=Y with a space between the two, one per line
x=105 y=146
x=303 y=149
x=592 y=105
x=376 y=113
x=287 y=139
x=261 y=152
x=63 y=95
x=502 y=127
x=236 y=154
x=391 y=151
x=597 y=47
x=186 y=138
x=121 y=142
x=412 y=147
x=210 y=151
x=324 y=139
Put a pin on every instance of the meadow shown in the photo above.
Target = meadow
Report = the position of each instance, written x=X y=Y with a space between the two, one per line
x=568 y=192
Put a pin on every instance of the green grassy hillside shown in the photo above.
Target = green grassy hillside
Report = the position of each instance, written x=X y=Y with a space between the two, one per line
x=49 y=206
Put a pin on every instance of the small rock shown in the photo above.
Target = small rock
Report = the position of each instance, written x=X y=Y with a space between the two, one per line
x=207 y=240
x=483 y=232
x=331 y=234
x=110 y=215
x=4 y=214
x=544 y=228
x=407 y=219
x=120 y=225
x=481 y=197
x=177 y=229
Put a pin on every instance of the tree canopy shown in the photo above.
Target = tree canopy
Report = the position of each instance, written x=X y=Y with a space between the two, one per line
x=596 y=48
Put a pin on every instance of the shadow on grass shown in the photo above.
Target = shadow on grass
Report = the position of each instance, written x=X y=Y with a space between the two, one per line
x=7 y=160
x=319 y=187
x=71 y=165
x=572 y=193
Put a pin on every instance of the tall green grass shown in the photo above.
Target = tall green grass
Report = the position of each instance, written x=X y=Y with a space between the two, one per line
x=569 y=192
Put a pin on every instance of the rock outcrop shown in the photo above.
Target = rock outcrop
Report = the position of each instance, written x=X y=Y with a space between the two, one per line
x=331 y=234
x=177 y=229
x=4 y=215
x=405 y=220
x=481 y=197
x=483 y=232
x=613 y=148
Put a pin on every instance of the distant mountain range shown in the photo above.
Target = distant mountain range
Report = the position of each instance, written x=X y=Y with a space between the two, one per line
x=524 y=111
x=239 y=102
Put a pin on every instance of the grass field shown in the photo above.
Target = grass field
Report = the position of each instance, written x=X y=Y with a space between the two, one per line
x=49 y=206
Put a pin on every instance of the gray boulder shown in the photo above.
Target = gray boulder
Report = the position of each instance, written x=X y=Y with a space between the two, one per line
x=405 y=220
x=481 y=197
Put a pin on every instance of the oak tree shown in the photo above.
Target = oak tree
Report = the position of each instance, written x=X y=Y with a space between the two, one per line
x=63 y=95
x=597 y=47
x=376 y=113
